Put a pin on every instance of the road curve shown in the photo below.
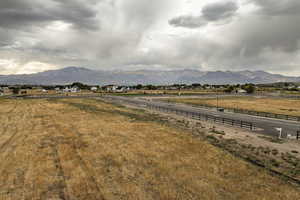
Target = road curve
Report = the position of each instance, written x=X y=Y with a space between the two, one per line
x=265 y=125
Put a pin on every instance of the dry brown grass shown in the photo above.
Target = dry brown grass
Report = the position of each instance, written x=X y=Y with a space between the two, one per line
x=87 y=149
x=271 y=105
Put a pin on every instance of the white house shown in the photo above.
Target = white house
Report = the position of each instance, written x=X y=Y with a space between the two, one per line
x=67 y=89
x=94 y=89
x=71 y=89
x=111 y=88
x=241 y=91
x=75 y=89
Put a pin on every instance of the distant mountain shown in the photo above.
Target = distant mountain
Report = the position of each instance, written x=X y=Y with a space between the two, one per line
x=79 y=74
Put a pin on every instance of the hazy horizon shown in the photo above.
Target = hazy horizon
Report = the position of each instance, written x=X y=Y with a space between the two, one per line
x=151 y=70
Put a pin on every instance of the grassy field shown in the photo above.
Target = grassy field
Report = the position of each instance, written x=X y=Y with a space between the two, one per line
x=272 y=105
x=87 y=149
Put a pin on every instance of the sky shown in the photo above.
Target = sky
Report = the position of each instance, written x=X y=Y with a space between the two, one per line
x=209 y=35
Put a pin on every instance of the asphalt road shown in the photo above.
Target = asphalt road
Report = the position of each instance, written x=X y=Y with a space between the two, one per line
x=265 y=125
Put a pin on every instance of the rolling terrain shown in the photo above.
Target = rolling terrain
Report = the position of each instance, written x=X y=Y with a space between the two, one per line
x=88 y=149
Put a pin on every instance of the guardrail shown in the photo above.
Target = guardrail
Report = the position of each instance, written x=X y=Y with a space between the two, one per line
x=193 y=115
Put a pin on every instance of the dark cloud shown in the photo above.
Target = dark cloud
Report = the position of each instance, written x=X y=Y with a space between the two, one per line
x=20 y=14
x=210 y=13
x=219 y=11
x=278 y=8
x=114 y=34
x=188 y=21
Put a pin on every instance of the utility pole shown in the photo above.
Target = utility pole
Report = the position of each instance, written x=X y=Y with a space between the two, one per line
x=217 y=99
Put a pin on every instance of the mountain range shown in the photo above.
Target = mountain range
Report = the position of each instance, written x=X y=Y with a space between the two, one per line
x=95 y=77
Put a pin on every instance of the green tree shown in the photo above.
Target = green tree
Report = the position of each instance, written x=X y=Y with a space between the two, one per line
x=139 y=86
x=250 y=89
x=16 y=90
x=229 y=89
x=81 y=86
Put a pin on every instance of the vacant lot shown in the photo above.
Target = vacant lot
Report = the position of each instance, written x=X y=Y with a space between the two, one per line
x=272 y=105
x=87 y=149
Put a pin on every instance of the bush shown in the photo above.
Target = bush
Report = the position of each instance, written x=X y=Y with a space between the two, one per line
x=16 y=90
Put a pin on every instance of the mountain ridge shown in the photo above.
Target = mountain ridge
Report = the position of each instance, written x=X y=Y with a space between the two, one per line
x=158 y=77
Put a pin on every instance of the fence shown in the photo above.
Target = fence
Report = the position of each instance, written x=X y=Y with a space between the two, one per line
x=193 y=115
x=266 y=114
x=256 y=113
x=200 y=116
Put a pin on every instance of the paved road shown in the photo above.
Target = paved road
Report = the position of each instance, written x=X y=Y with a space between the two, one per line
x=265 y=125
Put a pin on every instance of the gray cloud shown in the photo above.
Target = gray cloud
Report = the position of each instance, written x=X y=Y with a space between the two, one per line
x=188 y=21
x=210 y=13
x=219 y=11
x=114 y=34
x=278 y=8
x=31 y=13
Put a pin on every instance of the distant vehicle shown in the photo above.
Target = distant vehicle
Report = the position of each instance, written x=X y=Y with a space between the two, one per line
x=221 y=109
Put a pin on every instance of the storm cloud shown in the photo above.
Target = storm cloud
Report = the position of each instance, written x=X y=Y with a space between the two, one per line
x=37 y=35
x=30 y=13
x=210 y=13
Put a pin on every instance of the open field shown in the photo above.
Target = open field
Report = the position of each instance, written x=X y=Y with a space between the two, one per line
x=259 y=104
x=88 y=149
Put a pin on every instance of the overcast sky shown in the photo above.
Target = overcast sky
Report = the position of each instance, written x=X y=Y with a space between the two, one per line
x=38 y=35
